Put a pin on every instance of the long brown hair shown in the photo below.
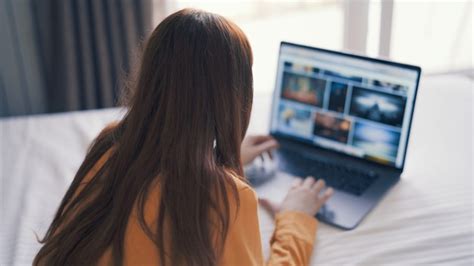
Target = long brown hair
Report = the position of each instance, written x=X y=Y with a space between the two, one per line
x=185 y=121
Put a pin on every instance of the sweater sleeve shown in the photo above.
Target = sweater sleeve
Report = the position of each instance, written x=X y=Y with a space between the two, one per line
x=291 y=243
x=293 y=239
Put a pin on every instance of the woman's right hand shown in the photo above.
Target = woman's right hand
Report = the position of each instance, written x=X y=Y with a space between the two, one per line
x=304 y=196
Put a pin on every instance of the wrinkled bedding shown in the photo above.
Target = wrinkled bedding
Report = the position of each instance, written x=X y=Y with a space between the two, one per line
x=426 y=218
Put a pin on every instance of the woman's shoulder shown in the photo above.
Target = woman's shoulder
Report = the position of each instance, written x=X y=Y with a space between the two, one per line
x=240 y=181
x=245 y=190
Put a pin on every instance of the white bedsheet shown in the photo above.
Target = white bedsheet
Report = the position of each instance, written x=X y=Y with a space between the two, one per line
x=426 y=218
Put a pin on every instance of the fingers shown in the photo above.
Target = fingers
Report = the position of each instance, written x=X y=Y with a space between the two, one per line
x=315 y=186
x=318 y=186
x=306 y=196
x=308 y=182
x=266 y=146
x=259 y=145
x=296 y=183
x=270 y=154
x=254 y=146
x=326 y=195
x=257 y=139
x=263 y=143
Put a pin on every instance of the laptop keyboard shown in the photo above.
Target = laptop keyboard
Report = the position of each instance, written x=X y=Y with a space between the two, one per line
x=348 y=179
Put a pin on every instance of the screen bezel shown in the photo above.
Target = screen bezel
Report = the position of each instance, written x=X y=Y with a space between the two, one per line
x=361 y=57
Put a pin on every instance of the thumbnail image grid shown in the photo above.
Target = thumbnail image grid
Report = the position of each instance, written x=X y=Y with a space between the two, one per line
x=303 y=89
x=331 y=127
x=377 y=106
x=337 y=96
x=295 y=120
x=389 y=86
x=366 y=100
x=301 y=68
x=379 y=142
x=343 y=77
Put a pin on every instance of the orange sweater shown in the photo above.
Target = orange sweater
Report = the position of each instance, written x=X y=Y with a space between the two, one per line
x=291 y=243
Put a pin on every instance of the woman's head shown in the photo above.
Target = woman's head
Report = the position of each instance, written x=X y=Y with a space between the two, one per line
x=187 y=115
x=196 y=77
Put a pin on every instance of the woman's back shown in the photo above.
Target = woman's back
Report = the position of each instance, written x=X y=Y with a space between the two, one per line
x=139 y=249
x=163 y=186
x=292 y=244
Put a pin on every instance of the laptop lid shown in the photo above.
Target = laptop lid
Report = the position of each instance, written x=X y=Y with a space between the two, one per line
x=355 y=105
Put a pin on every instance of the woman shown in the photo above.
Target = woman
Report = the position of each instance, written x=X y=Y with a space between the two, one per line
x=165 y=185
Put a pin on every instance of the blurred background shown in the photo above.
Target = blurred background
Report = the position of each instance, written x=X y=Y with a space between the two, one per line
x=65 y=55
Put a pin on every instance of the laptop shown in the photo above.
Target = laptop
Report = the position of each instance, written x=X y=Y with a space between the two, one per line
x=346 y=119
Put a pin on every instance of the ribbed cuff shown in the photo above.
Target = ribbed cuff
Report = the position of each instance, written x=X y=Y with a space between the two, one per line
x=297 y=224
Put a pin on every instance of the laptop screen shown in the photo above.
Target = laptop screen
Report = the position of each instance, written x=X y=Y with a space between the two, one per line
x=351 y=104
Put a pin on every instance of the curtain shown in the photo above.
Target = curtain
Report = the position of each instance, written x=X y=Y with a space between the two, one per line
x=78 y=50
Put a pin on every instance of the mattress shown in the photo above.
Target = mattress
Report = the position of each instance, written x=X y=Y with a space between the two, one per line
x=427 y=218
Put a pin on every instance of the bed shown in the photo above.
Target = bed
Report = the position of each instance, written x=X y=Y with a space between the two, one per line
x=427 y=218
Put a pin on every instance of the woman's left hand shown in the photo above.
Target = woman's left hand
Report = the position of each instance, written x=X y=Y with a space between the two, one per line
x=254 y=146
